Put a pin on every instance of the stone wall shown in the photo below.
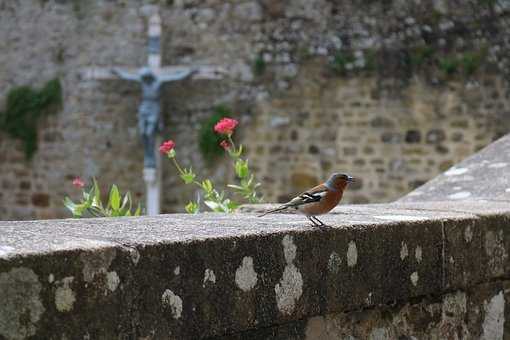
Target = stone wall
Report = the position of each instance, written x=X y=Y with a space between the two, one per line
x=436 y=275
x=393 y=92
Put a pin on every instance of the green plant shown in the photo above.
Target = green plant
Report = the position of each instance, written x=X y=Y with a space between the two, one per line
x=449 y=65
x=421 y=54
x=218 y=201
x=344 y=62
x=91 y=205
x=340 y=62
x=259 y=65
x=247 y=186
x=208 y=141
x=489 y=3
x=471 y=61
x=215 y=200
x=24 y=107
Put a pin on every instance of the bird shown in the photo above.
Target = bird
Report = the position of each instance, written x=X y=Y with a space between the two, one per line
x=318 y=200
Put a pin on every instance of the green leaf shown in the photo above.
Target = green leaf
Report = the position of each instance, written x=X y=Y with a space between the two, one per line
x=250 y=181
x=126 y=201
x=125 y=208
x=214 y=206
x=80 y=209
x=97 y=212
x=236 y=187
x=241 y=168
x=70 y=205
x=240 y=151
x=191 y=207
x=114 y=199
x=96 y=194
x=220 y=196
x=207 y=186
x=138 y=210
x=188 y=176
x=232 y=206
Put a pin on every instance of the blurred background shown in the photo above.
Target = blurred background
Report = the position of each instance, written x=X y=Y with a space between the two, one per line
x=391 y=92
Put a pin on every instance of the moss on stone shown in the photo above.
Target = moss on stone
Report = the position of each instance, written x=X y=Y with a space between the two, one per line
x=259 y=65
x=346 y=62
x=25 y=106
x=341 y=61
x=421 y=55
x=416 y=58
x=448 y=65
x=471 y=61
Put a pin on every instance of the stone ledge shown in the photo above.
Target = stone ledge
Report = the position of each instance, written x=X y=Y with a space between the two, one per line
x=484 y=175
x=191 y=277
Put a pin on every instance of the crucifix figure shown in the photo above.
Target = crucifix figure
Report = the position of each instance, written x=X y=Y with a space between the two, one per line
x=149 y=120
x=151 y=78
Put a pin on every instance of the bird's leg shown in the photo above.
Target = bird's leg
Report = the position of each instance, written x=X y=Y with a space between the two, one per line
x=321 y=224
x=311 y=220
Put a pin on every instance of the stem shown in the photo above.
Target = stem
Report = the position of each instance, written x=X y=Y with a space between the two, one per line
x=231 y=141
x=177 y=165
x=181 y=172
x=234 y=154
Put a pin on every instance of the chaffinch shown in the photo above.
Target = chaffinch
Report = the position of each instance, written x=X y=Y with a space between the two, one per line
x=318 y=200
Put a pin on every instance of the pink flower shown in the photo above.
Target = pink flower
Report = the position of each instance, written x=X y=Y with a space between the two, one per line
x=78 y=182
x=225 y=144
x=226 y=126
x=167 y=146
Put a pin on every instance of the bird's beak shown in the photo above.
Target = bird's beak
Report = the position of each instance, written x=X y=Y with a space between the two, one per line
x=350 y=179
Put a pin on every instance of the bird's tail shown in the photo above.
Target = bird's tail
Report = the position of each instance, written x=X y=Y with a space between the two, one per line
x=280 y=208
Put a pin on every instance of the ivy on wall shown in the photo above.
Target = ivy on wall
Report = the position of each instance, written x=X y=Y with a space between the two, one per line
x=24 y=107
x=467 y=63
x=259 y=66
x=208 y=140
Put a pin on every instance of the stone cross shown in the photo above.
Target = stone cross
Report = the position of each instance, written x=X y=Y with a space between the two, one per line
x=151 y=78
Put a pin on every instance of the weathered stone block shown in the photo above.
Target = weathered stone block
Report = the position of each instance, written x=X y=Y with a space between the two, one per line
x=215 y=275
x=463 y=255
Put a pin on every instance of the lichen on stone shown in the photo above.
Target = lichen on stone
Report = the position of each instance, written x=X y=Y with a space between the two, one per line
x=173 y=301
x=95 y=263
x=290 y=288
x=64 y=295
x=418 y=253
x=334 y=263
x=494 y=319
x=246 y=277
x=403 y=251
x=209 y=276
x=20 y=303
x=352 y=254
x=112 y=281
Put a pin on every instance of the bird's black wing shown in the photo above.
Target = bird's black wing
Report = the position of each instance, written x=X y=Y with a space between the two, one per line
x=306 y=198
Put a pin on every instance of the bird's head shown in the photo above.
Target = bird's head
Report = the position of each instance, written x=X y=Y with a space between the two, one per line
x=338 y=181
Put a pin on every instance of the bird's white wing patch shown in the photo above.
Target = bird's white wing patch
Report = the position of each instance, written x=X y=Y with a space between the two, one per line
x=307 y=198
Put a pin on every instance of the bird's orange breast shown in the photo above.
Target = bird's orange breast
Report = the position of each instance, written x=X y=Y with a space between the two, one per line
x=328 y=202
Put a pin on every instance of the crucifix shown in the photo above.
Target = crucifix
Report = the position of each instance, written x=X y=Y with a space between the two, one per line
x=151 y=78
